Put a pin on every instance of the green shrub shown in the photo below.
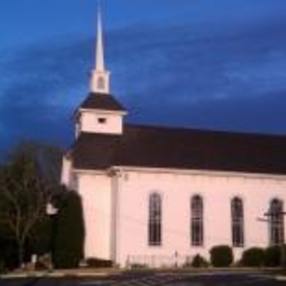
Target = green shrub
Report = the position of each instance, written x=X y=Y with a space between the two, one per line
x=138 y=266
x=253 y=257
x=2 y=266
x=199 y=261
x=69 y=232
x=40 y=242
x=8 y=253
x=272 y=256
x=44 y=262
x=221 y=256
x=98 y=263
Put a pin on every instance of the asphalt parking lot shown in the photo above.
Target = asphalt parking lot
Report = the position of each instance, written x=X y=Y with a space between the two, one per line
x=155 y=279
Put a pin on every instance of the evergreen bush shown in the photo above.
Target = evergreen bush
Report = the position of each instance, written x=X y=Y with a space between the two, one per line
x=8 y=253
x=98 y=263
x=272 y=256
x=139 y=266
x=221 y=256
x=253 y=257
x=199 y=261
x=2 y=259
x=40 y=242
x=69 y=232
x=2 y=265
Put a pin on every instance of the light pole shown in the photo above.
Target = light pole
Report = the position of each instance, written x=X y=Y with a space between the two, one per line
x=271 y=215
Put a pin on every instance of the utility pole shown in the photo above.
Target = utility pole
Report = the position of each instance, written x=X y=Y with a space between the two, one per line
x=271 y=215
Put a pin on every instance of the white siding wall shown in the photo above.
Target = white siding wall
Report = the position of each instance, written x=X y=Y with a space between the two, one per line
x=95 y=191
x=176 y=191
x=131 y=191
x=89 y=122
x=66 y=173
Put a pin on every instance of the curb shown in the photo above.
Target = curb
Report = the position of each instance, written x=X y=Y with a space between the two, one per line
x=52 y=275
x=70 y=274
x=280 y=278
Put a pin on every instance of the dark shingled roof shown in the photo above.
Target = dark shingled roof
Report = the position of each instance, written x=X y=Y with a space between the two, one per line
x=161 y=147
x=101 y=101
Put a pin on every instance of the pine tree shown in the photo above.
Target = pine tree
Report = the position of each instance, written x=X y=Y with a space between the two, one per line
x=69 y=232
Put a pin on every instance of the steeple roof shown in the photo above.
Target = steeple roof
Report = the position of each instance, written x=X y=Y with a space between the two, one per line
x=101 y=101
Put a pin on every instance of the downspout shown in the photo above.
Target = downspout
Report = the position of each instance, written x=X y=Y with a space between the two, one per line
x=116 y=176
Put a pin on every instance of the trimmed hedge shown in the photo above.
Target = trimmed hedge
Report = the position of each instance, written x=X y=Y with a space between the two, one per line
x=199 y=261
x=253 y=257
x=139 y=266
x=221 y=256
x=98 y=263
x=272 y=256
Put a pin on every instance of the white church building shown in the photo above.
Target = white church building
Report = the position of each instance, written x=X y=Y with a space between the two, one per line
x=158 y=196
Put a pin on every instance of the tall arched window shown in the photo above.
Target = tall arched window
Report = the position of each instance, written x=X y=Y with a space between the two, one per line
x=197 y=229
x=155 y=217
x=237 y=222
x=276 y=221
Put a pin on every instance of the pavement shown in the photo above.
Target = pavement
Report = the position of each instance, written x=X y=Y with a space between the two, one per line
x=153 y=279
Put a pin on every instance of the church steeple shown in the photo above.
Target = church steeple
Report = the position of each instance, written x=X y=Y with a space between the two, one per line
x=100 y=112
x=100 y=76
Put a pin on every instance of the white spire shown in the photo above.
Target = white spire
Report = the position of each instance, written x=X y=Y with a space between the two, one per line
x=100 y=76
x=99 y=44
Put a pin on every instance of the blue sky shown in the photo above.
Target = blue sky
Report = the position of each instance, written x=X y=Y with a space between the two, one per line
x=217 y=64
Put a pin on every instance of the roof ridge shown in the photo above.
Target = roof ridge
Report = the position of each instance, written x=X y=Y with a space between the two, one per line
x=205 y=130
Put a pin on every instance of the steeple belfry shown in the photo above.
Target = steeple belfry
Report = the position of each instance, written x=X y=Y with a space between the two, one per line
x=100 y=76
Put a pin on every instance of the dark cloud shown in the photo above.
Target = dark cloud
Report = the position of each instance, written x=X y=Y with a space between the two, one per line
x=233 y=80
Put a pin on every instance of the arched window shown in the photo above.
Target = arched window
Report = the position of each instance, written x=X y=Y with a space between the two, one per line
x=276 y=221
x=197 y=229
x=101 y=83
x=237 y=222
x=155 y=217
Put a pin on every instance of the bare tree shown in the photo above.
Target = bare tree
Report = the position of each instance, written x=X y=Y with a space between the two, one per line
x=23 y=198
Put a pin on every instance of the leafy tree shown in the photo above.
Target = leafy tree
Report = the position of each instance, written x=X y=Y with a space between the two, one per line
x=25 y=189
x=47 y=158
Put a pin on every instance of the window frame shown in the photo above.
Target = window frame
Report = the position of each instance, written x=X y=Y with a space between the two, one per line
x=155 y=220
x=237 y=222
x=197 y=221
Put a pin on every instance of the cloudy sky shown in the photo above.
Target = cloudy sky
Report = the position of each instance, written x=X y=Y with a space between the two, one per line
x=217 y=64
